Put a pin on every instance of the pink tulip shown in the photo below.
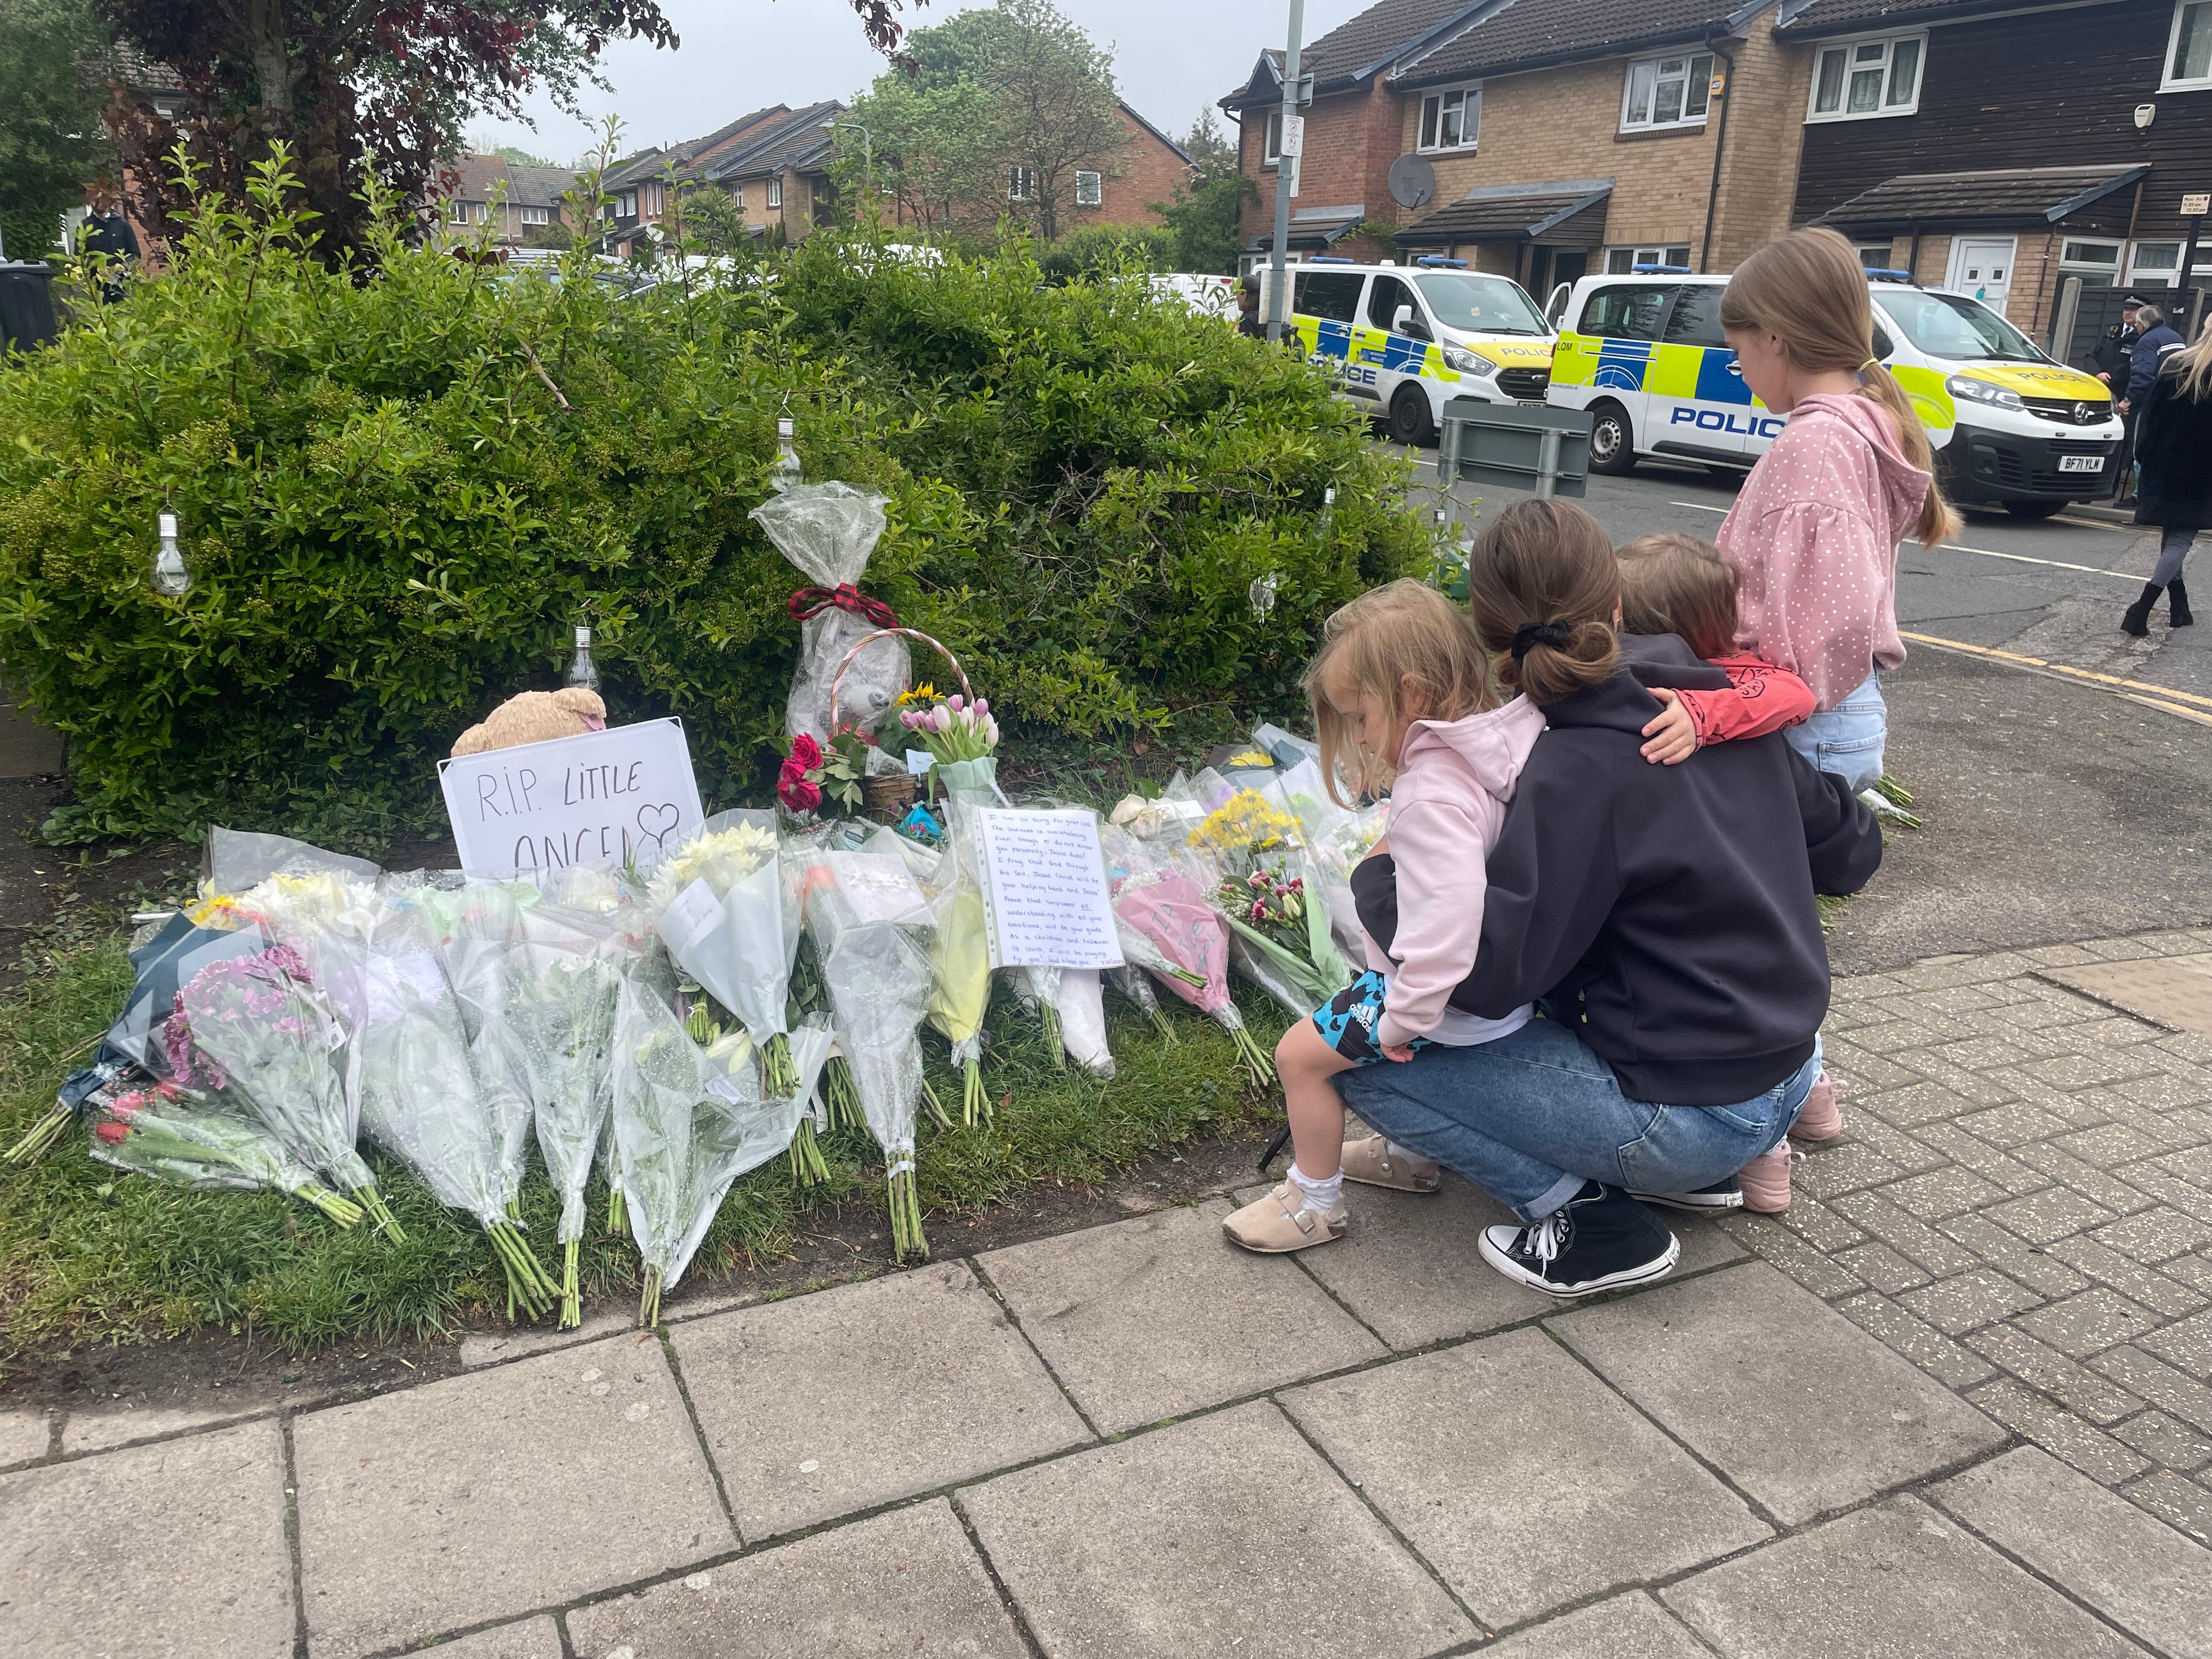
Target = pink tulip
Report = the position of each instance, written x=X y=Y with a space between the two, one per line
x=953 y=703
x=990 y=731
x=940 y=721
x=982 y=706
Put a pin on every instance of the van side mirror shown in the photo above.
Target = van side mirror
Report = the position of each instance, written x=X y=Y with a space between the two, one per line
x=1404 y=321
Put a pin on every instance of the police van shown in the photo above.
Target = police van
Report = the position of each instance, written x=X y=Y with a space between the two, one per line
x=1643 y=352
x=1403 y=338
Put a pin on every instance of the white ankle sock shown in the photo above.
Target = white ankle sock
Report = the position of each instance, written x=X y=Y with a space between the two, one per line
x=1321 y=1195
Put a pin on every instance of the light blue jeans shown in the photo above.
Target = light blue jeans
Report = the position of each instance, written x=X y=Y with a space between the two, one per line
x=1846 y=740
x=1531 y=1116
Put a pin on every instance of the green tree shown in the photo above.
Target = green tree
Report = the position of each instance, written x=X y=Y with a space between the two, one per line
x=937 y=153
x=51 y=141
x=1209 y=147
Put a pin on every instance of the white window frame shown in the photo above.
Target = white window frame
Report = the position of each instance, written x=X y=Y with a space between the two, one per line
x=775 y=191
x=2167 y=81
x=738 y=197
x=2163 y=276
x=1429 y=119
x=2074 y=265
x=1886 y=65
x=1643 y=256
x=1694 y=85
x=1271 y=138
x=1089 y=189
x=1021 y=184
x=457 y=213
x=537 y=216
x=1888 y=251
x=626 y=205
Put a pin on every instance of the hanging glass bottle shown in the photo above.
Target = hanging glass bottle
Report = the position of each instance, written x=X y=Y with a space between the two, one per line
x=787 y=472
x=582 y=671
x=168 y=575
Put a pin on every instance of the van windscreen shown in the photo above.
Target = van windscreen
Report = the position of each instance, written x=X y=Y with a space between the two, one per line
x=1468 y=300
x=1957 y=329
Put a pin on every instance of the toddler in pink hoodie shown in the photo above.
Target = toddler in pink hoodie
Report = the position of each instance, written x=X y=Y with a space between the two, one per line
x=1402 y=695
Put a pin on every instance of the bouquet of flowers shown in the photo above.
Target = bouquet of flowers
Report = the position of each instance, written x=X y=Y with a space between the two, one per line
x=717 y=903
x=1167 y=926
x=172 y=1134
x=1283 y=942
x=690 y=1121
x=828 y=530
x=813 y=773
x=428 y=1090
x=961 y=736
x=1131 y=981
x=878 y=975
x=254 y=1028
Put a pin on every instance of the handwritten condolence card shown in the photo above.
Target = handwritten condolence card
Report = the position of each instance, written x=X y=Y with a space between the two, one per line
x=1044 y=898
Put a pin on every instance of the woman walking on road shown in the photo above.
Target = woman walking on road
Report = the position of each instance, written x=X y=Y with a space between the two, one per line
x=1815 y=529
x=2174 y=456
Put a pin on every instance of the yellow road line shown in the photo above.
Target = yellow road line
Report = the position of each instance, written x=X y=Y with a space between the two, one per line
x=2201 y=718
x=2083 y=674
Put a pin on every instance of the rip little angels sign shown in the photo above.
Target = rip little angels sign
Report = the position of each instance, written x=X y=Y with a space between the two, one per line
x=626 y=792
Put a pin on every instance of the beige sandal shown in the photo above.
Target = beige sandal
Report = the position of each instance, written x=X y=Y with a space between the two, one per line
x=1280 y=1223
x=1372 y=1163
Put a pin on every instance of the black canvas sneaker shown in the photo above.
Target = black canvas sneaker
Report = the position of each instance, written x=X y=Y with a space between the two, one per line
x=1723 y=1194
x=1601 y=1239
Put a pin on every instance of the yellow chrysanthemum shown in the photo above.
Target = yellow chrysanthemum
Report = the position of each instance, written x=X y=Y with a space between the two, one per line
x=1245 y=820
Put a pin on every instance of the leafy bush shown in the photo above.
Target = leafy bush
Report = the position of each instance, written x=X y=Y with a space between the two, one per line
x=400 y=485
x=1098 y=251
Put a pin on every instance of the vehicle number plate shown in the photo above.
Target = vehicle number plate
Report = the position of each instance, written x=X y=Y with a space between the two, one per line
x=2080 y=463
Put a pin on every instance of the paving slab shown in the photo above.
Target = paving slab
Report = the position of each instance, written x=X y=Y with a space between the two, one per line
x=1160 y=1315
x=822 y=1405
x=498 y=1492
x=1221 y=1538
x=24 y=1435
x=2137 y=1571
x=908 y=1583
x=101 y=1430
x=171 y=1552
x=1551 y=1489
x=1632 y=1626
x=527 y=1638
x=1894 y=1580
x=1790 y=1400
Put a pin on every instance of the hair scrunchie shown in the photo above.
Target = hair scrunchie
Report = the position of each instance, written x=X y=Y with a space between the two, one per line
x=1528 y=635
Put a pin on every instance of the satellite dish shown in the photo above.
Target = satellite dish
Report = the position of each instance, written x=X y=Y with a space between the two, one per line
x=1411 y=181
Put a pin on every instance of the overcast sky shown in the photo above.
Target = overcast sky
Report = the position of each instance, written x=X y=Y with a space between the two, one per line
x=1171 y=57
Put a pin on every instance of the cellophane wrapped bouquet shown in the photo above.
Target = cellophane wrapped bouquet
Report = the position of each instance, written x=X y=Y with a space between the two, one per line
x=1260 y=886
x=173 y=1134
x=689 y=1121
x=434 y=1086
x=879 y=977
x=829 y=530
x=255 y=1029
x=717 y=903
x=1168 y=926
x=962 y=738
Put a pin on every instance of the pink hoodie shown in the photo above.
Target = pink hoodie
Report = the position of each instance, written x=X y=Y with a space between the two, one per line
x=1815 y=532
x=1446 y=808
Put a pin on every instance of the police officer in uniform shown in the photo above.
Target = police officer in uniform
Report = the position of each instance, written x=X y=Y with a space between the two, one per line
x=2111 y=362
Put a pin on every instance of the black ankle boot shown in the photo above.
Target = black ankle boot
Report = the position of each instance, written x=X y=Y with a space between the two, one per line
x=2176 y=601
x=1599 y=1240
x=2137 y=621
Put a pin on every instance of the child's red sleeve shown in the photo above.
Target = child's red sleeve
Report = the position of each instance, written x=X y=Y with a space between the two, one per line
x=1760 y=698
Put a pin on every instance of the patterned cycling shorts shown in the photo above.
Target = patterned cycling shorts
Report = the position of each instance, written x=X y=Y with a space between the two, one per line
x=1347 y=1020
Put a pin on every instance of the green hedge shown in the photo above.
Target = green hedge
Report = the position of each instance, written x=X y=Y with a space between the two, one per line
x=400 y=485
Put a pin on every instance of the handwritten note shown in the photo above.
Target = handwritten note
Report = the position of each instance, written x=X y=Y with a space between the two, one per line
x=625 y=793
x=688 y=915
x=879 y=888
x=1045 y=897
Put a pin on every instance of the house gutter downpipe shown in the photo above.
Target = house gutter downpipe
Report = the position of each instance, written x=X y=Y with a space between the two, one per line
x=1278 y=291
x=1720 y=150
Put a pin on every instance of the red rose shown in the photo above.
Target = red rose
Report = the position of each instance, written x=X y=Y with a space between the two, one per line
x=113 y=1133
x=805 y=752
x=798 y=795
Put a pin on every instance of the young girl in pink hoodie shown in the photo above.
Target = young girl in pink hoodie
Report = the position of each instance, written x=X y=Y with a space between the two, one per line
x=1402 y=696
x=1815 y=529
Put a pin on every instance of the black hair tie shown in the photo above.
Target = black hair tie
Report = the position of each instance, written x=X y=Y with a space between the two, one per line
x=1553 y=633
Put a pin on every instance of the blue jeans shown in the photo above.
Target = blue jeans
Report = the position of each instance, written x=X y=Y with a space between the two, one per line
x=1530 y=1117
x=1848 y=738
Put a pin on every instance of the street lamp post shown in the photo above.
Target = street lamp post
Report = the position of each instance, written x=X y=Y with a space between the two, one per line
x=867 y=153
x=1278 y=308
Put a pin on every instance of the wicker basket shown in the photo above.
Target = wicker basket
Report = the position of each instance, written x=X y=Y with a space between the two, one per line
x=888 y=797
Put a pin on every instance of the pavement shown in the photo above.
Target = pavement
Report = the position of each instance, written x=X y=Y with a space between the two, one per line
x=1959 y=1400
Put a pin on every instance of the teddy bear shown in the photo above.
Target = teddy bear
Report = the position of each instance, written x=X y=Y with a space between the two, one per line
x=535 y=717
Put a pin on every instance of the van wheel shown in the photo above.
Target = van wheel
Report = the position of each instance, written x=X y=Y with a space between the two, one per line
x=1409 y=417
x=1612 y=441
x=2036 y=509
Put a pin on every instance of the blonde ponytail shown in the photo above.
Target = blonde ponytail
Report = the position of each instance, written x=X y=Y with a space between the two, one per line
x=1809 y=290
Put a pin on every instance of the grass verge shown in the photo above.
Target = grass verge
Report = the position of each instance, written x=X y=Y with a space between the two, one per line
x=90 y=1253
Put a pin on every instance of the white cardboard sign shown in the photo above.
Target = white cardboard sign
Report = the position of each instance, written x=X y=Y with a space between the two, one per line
x=1045 y=898
x=626 y=792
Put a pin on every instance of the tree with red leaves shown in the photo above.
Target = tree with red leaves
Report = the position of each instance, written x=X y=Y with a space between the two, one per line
x=352 y=83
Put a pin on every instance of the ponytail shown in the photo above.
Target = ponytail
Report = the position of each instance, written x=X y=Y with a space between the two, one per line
x=1542 y=583
x=1809 y=290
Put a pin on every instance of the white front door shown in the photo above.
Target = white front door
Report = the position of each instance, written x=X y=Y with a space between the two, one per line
x=1981 y=266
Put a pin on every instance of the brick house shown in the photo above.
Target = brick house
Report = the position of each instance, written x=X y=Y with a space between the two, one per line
x=773 y=163
x=1563 y=136
x=522 y=205
x=2006 y=148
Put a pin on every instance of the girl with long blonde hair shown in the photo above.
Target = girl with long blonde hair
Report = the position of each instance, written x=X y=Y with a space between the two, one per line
x=1816 y=528
x=2174 y=463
